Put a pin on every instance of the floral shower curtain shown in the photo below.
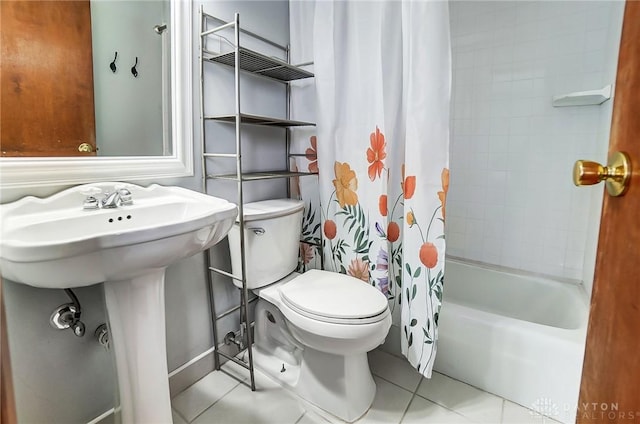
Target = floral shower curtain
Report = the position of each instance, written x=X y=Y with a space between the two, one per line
x=382 y=91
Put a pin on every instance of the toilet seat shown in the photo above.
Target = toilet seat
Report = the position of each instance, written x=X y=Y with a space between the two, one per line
x=333 y=298
x=354 y=328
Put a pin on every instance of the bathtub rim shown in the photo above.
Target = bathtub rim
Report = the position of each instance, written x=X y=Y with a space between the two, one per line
x=583 y=300
x=517 y=272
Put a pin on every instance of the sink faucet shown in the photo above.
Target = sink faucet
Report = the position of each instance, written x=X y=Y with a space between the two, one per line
x=120 y=197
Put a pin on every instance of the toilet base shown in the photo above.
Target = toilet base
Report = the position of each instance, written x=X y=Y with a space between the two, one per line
x=340 y=385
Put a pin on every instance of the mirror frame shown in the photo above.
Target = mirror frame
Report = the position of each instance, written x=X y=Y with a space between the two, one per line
x=47 y=171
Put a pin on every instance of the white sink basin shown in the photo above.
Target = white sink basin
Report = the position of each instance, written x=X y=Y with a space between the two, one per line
x=55 y=243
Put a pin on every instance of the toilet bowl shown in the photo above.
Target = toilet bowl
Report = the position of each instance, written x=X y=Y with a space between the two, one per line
x=313 y=330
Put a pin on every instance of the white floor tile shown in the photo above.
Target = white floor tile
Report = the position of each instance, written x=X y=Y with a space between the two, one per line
x=177 y=419
x=516 y=414
x=220 y=398
x=389 y=404
x=264 y=406
x=422 y=411
x=312 y=418
x=264 y=382
x=235 y=370
x=318 y=413
x=202 y=394
x=394 y=369
x=475 y=404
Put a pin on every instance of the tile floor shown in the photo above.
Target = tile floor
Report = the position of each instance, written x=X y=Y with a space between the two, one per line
x=403 y=396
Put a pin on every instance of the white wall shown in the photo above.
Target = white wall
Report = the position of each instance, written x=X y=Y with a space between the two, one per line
x=511 y=200
x=57 y=377
x=61 y=378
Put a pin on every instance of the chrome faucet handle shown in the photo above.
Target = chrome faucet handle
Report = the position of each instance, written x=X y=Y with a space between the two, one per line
x=126 y=198
x=111 y=200
x=91 y=201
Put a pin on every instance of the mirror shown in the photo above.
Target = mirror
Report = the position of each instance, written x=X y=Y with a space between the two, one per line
x=174 y=159
x=60 y=63
x=131 y=77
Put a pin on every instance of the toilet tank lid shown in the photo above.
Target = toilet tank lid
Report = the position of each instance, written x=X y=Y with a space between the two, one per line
x=273 y=208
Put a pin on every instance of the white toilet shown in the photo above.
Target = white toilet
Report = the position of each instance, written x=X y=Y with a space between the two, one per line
x=313 y=330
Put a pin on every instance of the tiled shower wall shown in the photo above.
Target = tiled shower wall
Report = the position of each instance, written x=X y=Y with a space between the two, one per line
x=511 y=200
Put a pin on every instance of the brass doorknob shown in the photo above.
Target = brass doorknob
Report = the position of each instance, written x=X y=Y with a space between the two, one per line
x=85 y=147
x=616 y=174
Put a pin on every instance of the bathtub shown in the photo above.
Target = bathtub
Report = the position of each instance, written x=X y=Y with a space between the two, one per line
x=517 y=336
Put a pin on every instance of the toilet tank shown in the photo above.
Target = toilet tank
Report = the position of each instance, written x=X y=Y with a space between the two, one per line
x=272 y=237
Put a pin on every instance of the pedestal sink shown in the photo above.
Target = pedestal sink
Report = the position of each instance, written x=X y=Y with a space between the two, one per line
x=54 y=243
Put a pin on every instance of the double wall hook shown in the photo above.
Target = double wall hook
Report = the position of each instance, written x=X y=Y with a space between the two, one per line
x=112 y=65
x=134 y=71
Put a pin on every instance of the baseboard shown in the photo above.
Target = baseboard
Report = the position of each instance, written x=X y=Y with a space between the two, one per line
x=107 y=417
x=195 y=369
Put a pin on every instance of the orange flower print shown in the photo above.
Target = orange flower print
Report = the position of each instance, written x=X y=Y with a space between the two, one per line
x=429 y=255
x=408 y=185
x=346 y=184
x=312 y=155
x=382 y=204
x=410 y=219
x=330 y=229
x=306 y=253
x=442 y=195
x=376 y=154
x=393 y=232
x=359 y=269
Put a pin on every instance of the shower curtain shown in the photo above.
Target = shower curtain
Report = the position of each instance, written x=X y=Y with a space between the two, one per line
x=382 y=90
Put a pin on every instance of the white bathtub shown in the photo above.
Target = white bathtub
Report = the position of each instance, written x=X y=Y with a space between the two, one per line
x=517 y=336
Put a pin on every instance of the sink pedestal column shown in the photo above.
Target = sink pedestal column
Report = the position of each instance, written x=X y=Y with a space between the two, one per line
x=137 y=325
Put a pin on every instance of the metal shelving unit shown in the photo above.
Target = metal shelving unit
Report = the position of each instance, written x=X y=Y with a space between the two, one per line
x=242 y=60
x=253 y=176
x=260 y=64
x=259 y=120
